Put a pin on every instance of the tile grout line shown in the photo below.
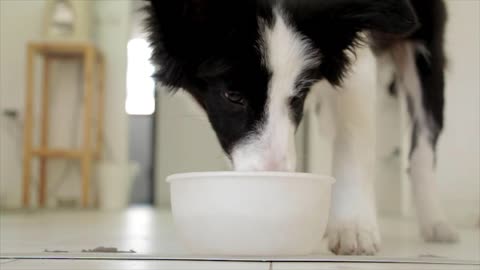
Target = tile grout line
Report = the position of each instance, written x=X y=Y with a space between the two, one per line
x=99 y=256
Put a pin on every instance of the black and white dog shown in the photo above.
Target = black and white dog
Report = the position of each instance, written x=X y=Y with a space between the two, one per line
x=251 y=65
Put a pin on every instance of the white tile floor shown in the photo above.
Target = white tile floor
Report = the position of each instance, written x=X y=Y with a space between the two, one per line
x=25 y=236
x=129 y=265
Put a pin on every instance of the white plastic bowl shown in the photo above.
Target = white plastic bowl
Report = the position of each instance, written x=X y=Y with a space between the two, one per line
x=250 y=213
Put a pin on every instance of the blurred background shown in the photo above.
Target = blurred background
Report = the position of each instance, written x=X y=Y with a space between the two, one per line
x=148 y=134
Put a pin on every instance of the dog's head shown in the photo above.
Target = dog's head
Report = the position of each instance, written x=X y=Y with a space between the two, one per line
x=250 y=64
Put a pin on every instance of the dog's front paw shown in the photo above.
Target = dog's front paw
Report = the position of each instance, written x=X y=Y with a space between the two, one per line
x=439 y=232
x=353 y=238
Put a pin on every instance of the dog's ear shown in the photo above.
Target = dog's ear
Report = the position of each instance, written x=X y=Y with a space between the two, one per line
x=174 y=26
x=185 y=34
x=335 y=26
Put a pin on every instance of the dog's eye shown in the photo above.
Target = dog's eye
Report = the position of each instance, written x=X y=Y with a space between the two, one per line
x=234 y=97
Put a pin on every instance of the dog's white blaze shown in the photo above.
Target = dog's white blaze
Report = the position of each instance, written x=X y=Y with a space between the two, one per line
x=286 y=54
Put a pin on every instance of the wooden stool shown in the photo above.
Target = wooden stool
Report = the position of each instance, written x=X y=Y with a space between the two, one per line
x=91 y=59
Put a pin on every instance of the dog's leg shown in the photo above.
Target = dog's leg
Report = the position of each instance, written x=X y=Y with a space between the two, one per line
x=422 y=79
x=352 y=228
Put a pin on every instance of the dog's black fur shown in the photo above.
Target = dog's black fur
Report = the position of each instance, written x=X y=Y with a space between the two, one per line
x=217 y=51
x=206 y=47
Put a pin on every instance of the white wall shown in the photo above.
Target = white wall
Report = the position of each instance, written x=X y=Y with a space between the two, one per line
x=111 y=29
x=185 y=142
x=459 y=146
x=14 y=34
